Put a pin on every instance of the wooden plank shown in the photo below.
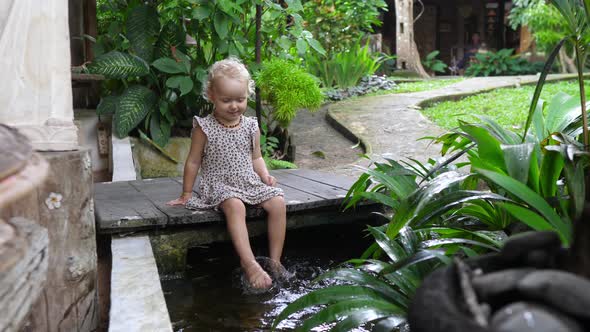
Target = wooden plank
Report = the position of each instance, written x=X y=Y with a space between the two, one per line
x=119 y=206
x=295 y=199
x=325 y=191
x=160 y=191
x=340 y=181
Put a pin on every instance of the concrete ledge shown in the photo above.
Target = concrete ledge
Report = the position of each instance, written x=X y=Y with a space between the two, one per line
x=122 y=159
x=137 y=300
x=348 y=133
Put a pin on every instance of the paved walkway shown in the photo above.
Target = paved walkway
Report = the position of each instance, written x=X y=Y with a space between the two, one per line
x=389 y=125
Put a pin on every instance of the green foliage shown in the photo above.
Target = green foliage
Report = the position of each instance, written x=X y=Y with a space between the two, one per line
x=161 y=95
x=537 y=178
x=135 y=34
x=544 y=20
x=433 y=64
x=339 y=23
x=501 y=63
x=119 y=65
x=278 y=164
x=415 y=241
x=507 y=106
x=345 y=69
x=288 y=88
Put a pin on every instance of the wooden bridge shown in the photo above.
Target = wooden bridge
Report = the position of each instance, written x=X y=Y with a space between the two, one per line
x=130 y=207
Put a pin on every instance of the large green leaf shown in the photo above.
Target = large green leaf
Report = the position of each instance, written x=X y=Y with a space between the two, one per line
x=183 y=83
x=201 y=12
x=362 y=278
x=346 y=308
x=517 y=158
x=134 y=104
x=143 y=26
x=169 y=66
x=540 y=84
x=530 y=218
x=118 y=65
x=363 y=316
x=551 y=167
x=561 y=112
x=221 y=23
x=107 y=105
x=327 y=295
x=171 y=37
x=532 y=199
x=159 y=129
x=488 y=146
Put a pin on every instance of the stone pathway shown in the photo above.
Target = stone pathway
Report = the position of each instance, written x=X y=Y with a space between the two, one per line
x=390 y=125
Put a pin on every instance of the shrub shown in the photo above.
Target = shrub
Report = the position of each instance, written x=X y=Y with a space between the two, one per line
x=288 y=88
x=433 y=64
x=346 y=69
x=502 y=63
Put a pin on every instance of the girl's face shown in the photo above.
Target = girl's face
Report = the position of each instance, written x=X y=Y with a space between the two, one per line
x=230 y=98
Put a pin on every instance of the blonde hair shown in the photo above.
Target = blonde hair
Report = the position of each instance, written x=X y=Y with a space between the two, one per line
x=231 y=67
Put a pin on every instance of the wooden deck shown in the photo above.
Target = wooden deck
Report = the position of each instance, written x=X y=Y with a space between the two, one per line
x=141 y=205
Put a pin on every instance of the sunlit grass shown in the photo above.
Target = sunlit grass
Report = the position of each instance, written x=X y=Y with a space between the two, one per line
x=508 y=106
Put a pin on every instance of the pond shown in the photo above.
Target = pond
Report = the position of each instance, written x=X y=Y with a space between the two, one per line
x=209 y=297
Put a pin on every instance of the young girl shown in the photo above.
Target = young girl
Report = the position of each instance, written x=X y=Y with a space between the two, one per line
x=226 y=147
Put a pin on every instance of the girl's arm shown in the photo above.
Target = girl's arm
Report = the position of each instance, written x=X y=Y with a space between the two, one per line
x=259 y=164
x=191 y=166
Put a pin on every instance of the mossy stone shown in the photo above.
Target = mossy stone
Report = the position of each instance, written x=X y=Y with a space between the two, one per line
x=151 y=163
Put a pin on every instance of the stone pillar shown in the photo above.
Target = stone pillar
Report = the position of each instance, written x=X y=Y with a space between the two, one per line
x=35 y=89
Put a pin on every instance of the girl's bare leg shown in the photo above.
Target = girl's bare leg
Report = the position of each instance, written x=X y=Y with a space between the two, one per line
x=277 y=224
x=235 y=215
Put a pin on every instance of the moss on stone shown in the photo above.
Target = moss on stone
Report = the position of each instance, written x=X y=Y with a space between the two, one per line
x=153 y=164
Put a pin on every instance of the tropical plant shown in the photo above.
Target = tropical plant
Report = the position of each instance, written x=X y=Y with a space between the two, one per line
x=160 y=93
x=537 y=178
x=287 y=88
x=345 y=69
x=269 y=146
x=501 y=63
x=339 y=23
x=420 y=235
x=547 y=25
x=433 y=64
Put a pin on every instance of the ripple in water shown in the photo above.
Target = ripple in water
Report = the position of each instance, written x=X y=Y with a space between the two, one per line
x=214 y=295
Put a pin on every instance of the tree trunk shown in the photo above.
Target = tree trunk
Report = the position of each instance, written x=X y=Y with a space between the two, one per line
x=408 y=57
x=566 y=62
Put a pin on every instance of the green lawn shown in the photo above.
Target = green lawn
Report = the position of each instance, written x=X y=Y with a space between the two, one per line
x=424 y=85
x=508 y=106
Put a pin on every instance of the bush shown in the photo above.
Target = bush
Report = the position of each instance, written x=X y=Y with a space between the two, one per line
x=502 y=63
x=345 y=69
x=433 y=64
x=288 y=88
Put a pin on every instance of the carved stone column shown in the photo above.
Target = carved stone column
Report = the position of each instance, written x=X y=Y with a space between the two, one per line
x=35 y=89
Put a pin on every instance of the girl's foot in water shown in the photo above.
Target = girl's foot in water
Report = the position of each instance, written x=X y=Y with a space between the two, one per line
x=278 y=271
x=256 y=276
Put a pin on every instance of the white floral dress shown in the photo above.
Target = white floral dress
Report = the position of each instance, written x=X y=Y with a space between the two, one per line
x=226 y=167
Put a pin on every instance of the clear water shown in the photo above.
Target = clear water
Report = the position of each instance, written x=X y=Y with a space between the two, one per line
x=211 y=297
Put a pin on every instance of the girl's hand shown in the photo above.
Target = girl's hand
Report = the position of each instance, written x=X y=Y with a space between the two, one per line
x=269 y=180
x=181 y=200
